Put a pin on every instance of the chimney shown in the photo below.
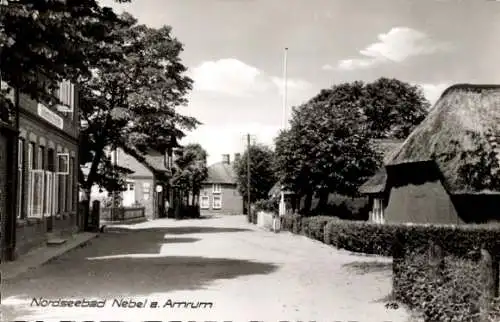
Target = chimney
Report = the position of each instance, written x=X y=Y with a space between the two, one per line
x=225 y=158
x=237 y=157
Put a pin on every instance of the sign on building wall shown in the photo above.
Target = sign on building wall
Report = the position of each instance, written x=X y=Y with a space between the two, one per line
x=50 y=116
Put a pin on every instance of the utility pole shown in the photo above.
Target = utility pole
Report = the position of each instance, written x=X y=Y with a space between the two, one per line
x=285 y=89
x=282 y=207
x=248 y=177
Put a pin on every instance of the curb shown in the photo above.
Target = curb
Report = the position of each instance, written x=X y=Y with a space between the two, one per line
x=42 y=255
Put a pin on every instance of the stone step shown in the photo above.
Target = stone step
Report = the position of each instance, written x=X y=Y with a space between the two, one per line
x=56 y=241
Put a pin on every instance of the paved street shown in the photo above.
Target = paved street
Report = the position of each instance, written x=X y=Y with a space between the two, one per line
x=247 y=274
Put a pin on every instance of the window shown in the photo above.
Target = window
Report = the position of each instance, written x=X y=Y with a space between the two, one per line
x=73 y=193
x=146 y=188
x=217 y=202
x=51 y=166
x=20 y=177
x=378 y=211
x=66 y=95
x=205 y=202
x=131 y=187
x=31 y=156
x=61 y=191
x=70 y=185
x=35 y=181
x=216 y=188
x=40 y=162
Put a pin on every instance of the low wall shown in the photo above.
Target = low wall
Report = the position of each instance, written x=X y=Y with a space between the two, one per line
x=265 y=220
x=122 y=213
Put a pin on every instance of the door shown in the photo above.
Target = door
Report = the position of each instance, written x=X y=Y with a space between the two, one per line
x=36 y=192
x=129 y=195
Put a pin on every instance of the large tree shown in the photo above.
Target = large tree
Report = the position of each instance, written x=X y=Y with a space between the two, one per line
x=43 y=41
x=130 y=102
x=190 y=170
x=328 y=147
x=393 y=108
x=262 y=175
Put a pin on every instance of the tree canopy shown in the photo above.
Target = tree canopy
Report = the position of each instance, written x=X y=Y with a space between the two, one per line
x=328 y=147
x=190 y=169
x=42 y=42
x=130 y=102
x=262 y=177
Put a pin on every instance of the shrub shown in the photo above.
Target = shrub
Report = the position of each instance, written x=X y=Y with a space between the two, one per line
x=188 y=212
x=313 y=227
x=291 y=223
x=267 y=205
x=343 y=207
x=361 y=237
x=451 y=295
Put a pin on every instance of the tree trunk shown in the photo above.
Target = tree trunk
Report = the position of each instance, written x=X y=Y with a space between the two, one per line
x=86 y=208
x=295 y=203
x=177 y=205
x=323 y=200
x=193 y=200
x=308 y=202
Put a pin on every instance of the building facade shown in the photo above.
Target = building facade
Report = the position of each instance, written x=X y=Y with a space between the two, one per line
x=47 y=171
x=148 y=185
x=219 y=193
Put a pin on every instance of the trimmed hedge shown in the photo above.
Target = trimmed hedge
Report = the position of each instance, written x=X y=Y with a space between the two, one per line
x=313 y=227
x=450 y=295
x=188 y=212
x=292 y=223
x=377 y=239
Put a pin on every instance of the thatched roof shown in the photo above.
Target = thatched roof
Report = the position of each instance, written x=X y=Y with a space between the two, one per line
x=376 y=183
x=461 y=109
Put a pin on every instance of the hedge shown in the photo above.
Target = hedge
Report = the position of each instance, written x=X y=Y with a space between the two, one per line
x=451 y=295
x=313 y=227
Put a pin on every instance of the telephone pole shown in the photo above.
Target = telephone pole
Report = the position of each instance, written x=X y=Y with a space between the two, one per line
x=248 y=177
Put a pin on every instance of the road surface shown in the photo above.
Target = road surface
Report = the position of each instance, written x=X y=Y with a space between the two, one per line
x=222 y=269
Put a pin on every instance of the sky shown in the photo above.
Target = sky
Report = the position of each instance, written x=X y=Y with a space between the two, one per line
x=234 y=51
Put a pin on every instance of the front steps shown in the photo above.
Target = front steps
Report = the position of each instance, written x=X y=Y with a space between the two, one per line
x=54 y=239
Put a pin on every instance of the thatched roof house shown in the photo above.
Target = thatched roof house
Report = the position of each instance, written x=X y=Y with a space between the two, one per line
x=424 y=181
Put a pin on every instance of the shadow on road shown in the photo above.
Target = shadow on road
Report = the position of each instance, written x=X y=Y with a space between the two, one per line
x=368 y=267
x=130 y=264
x=178 y=230
x=129 y=276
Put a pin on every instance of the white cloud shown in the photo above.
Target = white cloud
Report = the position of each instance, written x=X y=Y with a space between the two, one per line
x=433 y=91
x=327 y=67
x=396 y=45
x=231 y=138
x=232 y=77
x=227 y=76
x=291 y=84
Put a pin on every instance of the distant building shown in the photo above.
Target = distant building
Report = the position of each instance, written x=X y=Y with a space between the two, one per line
x=47 y=172
x=219 y=193
x=148 y=186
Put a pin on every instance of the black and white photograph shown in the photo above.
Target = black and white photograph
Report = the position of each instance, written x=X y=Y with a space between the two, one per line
x=250 y=160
